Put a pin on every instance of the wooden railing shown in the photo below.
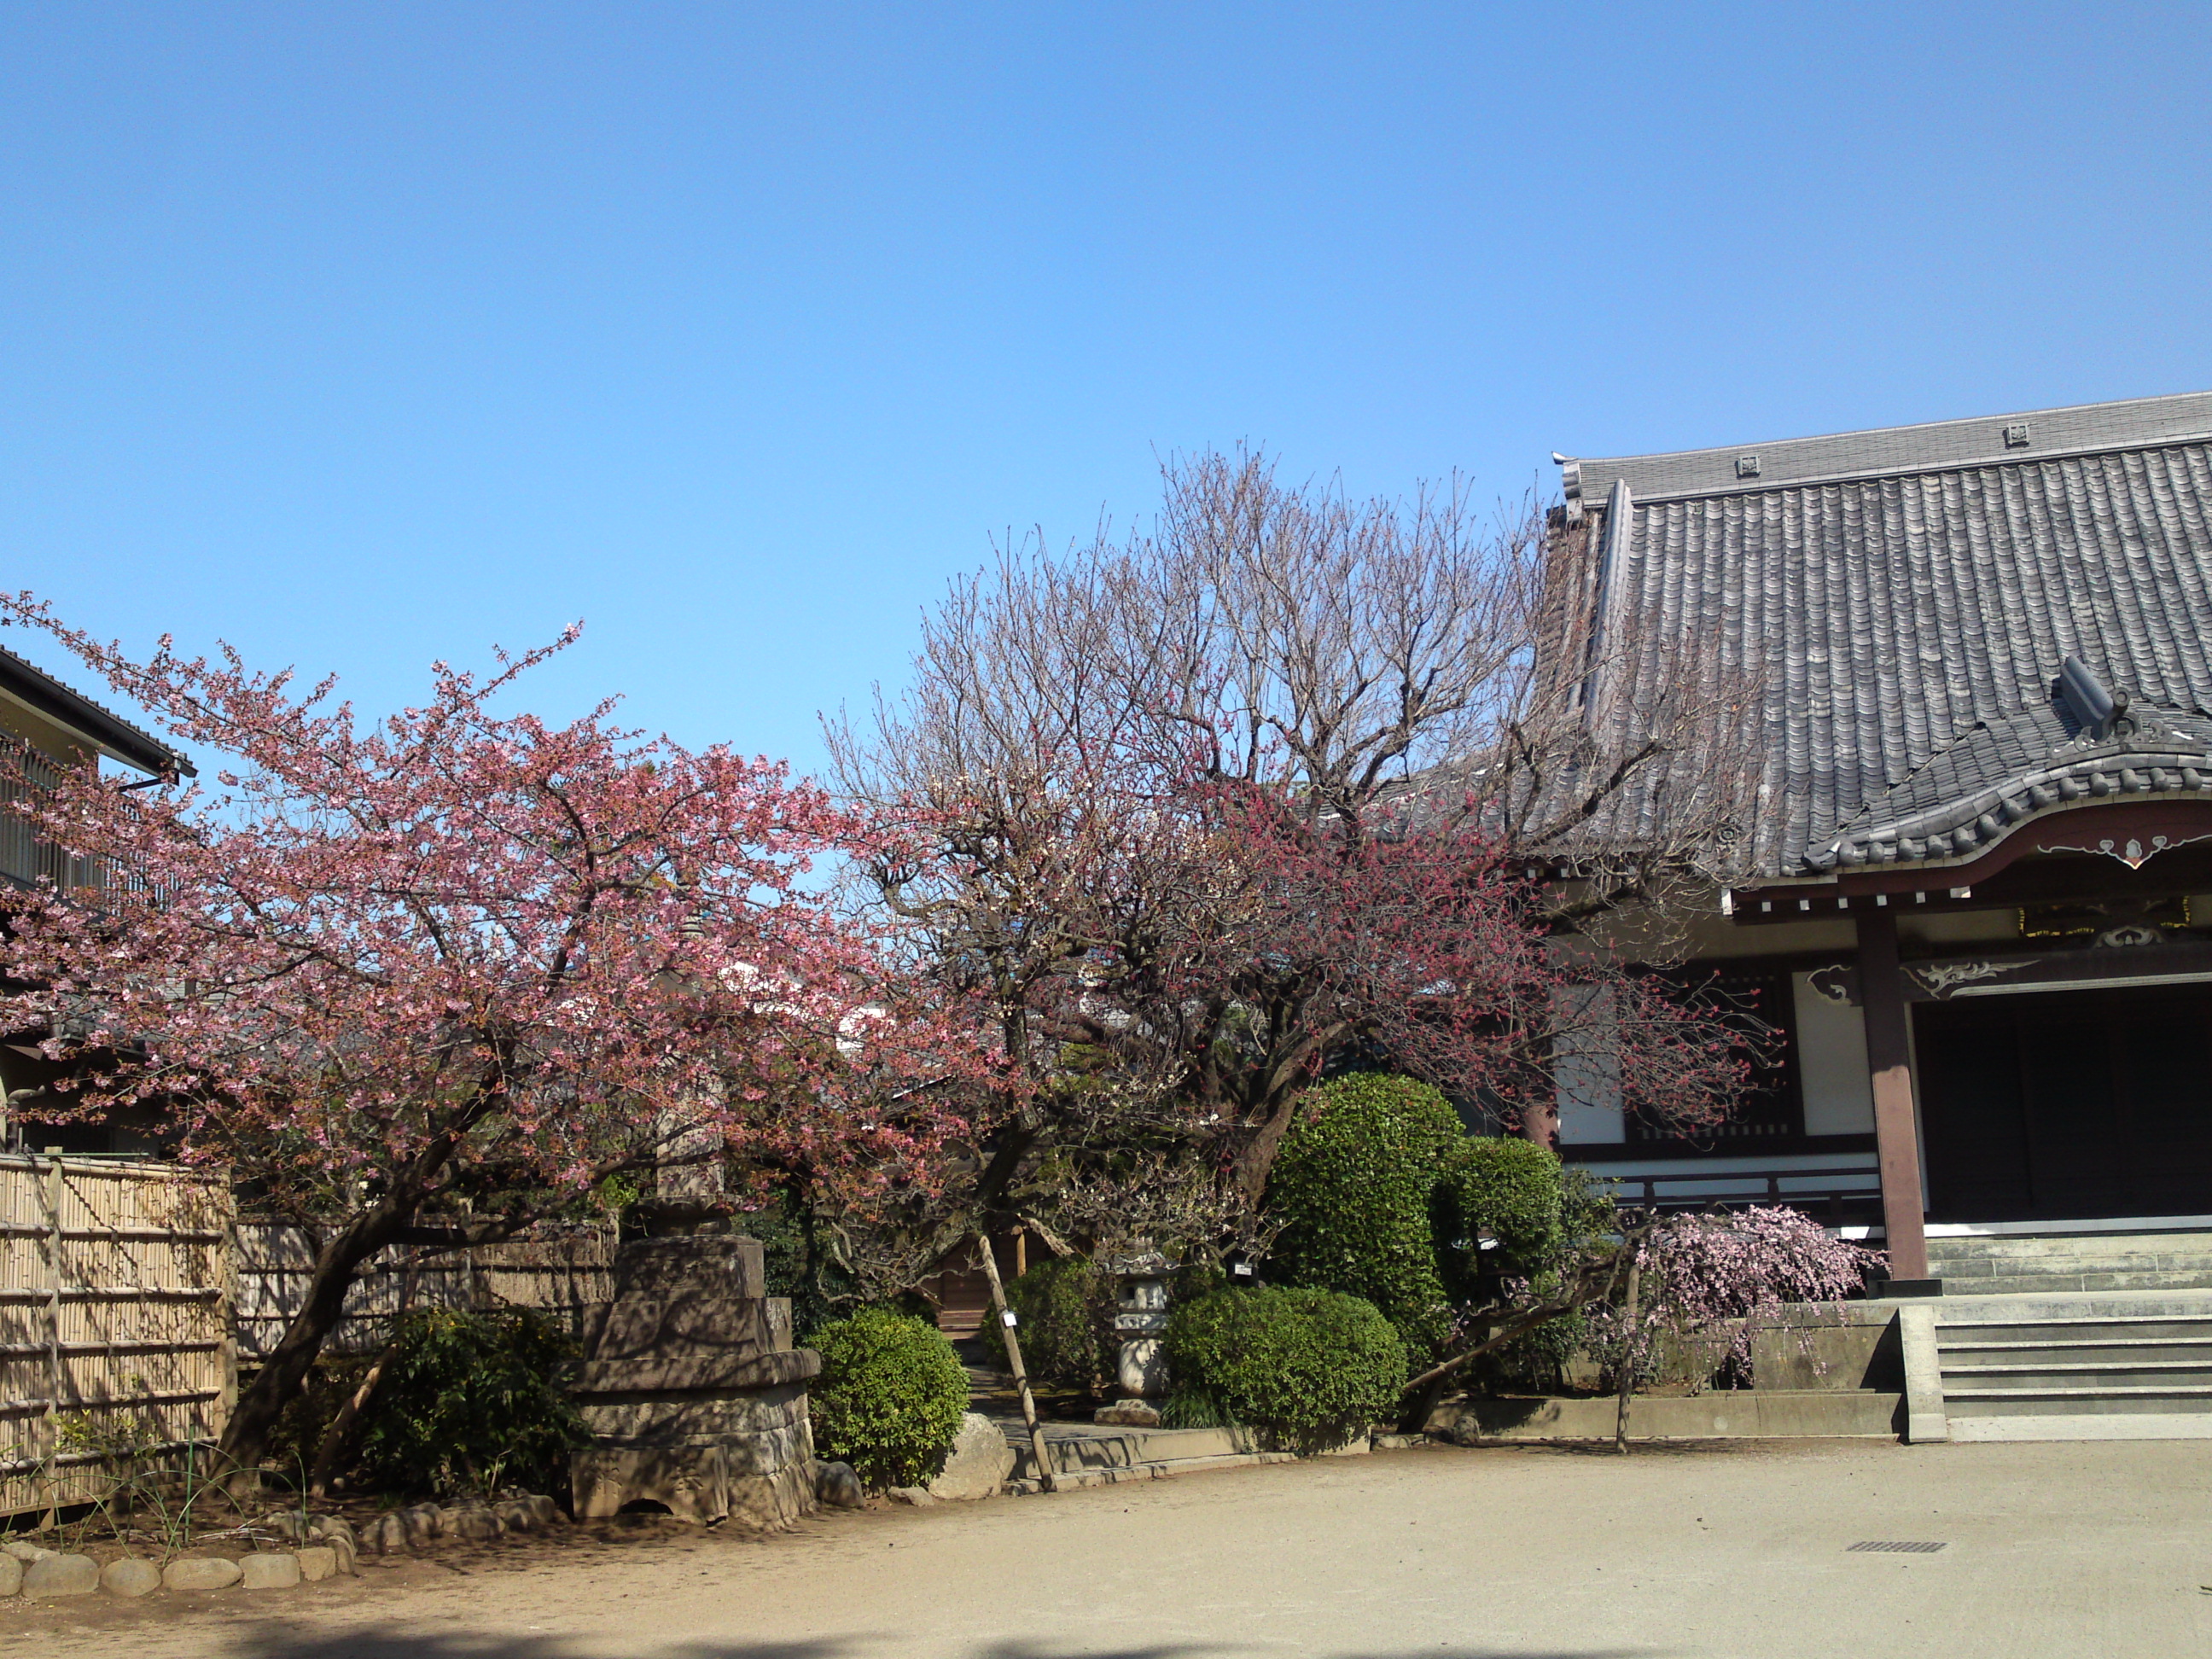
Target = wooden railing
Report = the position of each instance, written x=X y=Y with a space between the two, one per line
x=1849 y=1195
x=27 y=858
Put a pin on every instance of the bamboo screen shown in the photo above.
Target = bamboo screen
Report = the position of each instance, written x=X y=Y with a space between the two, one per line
x=113 y=1281
x=560 y=1273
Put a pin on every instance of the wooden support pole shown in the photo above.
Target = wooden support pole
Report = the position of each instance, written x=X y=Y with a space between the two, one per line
x=1038 y=1448
x=1896 y=1125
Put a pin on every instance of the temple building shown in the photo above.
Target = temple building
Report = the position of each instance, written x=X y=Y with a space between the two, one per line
x=1976 y=896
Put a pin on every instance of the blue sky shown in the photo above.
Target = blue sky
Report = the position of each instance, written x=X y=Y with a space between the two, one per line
x=361 y=336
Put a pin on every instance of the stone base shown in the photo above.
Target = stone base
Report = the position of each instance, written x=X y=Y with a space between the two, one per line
x=697 y=1483
x=1721 y=1414
x=1129 y=1415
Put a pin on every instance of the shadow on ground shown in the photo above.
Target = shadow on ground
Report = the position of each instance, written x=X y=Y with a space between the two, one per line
x=278 y=1642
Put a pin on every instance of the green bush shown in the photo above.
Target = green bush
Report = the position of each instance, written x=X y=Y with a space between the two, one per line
x=890 y=1398
x=1510 y=1188
x=1065 y=1306
x=1309 y=1368
x=1355 y=1187
x=471 y=1402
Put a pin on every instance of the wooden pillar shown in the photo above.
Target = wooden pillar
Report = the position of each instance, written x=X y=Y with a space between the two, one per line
x=1889 y=1059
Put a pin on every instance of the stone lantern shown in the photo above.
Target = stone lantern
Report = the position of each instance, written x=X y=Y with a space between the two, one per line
x=1140 y=1319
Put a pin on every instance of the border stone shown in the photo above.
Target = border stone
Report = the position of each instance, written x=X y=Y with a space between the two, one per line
x=11 y=1574
x=131 y=1576
x=839 y=1486
x=269 y=1570
x=200 y=1572
x=317 y=1562
x=62 y=1574
x=978 y=1464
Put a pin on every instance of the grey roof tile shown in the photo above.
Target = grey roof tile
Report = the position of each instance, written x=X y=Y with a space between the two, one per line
x=1908 y=595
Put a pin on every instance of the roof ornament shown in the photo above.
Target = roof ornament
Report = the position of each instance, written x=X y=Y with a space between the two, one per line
x=2102 y=711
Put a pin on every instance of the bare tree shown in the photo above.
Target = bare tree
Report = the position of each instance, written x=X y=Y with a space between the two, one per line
x=1194 y=813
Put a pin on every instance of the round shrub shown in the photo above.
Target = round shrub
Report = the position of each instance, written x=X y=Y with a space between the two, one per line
x=1065 y=1307
x=1354 y=1186
x=1311 y=1368
x=1512 y=1189
x=890 y=1398
x=470 y=1402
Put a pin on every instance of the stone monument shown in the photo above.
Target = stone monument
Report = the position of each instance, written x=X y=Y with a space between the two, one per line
x=693 y=1394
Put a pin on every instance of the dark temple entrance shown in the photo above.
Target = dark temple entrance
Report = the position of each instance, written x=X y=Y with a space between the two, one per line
x=2070 y=1104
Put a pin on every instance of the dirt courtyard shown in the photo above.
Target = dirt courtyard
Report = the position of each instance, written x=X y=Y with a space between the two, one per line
x=1735 y=1549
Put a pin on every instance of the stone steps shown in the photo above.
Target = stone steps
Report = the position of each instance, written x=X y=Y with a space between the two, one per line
x=1023 y=1486
x=2080 y=1366
x=2018 y=1265
x=1078 y=1449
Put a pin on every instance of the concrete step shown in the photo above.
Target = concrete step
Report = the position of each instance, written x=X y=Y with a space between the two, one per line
x=2071 y=1307
x=2091 y=1355
x=2100 y=1399
x=1025 y=1484
x=2144 y=1373
x=2071 y=1262
x=2045 y=1284
x=1972 y=1331
x=1076 y=1449
x=2064 y=1425
x=2026 y=1264
x=2035 y=1252
x=2045 y=1246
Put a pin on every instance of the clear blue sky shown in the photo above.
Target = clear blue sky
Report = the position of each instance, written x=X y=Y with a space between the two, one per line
x=364 y=335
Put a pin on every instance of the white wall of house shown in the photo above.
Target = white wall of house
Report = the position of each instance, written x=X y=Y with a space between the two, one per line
x=1588 y=1072
x=1832 y=1063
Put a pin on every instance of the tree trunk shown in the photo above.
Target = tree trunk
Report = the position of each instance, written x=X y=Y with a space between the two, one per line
x=1629 y=1357
x=341 y=1428
x=246 y=1438
x=1255 y=1158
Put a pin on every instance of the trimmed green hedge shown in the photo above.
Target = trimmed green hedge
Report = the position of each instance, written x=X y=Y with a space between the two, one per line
x=1355 y=1186
x=1065 y=1307
x=1382 y=1194
x=890 y=1398
x=1311 y=1368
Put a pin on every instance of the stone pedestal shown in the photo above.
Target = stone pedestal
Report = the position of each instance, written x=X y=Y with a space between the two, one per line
x=694 y=1396
x=1140 y=1320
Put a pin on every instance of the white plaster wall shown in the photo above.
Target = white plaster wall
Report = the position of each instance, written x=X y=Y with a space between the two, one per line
x=1588 y=1072
x=1832 y=1063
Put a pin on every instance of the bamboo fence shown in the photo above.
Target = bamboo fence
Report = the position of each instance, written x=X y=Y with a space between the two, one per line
x=113 y=1328
x=131 y=1294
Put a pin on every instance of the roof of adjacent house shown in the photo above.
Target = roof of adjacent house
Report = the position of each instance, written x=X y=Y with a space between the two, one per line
x=1907 y=596
x=100 y=729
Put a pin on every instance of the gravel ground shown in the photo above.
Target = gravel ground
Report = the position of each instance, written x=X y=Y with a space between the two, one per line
x=1732 y=1549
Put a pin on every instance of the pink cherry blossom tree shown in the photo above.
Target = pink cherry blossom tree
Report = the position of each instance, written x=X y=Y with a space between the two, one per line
x=459 y=962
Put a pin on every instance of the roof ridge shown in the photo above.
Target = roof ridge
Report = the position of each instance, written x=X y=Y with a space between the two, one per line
x=1877 y=452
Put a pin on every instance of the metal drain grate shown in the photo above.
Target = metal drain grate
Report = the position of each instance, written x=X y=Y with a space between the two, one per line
x=1891 y=1547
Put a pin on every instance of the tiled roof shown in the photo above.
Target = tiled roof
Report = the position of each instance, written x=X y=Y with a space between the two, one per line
x=2009 y=771
x=100 y=726
x=1898 y=610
